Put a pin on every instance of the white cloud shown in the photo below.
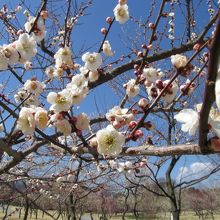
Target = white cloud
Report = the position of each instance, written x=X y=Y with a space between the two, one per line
x=194 y=171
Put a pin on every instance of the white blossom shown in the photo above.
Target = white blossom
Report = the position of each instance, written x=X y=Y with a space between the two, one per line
x=79 y=80
x=125 y=166
x=4 y=61
x=110 y=141
x=113 y=164
x=83 y=70
x=190 y=120
x=63 y=126
x=107 y=50
x=121 y=13
x=78 y=88
x=82 y=121
x=41 y=118
x=60 y=101
x=60 y=179
x=29 y=99
x=171 y=91
x=120 y=115
x=26 y=122
x=179 y=60
x=28 y=65
x=151 y=74
x=38 y=33
x=92 y=60
x=70 y=177
x=50 y=71
x=92 y=75
x=34 y=86
x=63 y=57
x=77 y=94
x=26 y=46
x=132 y=89
x=10 y=53
x=58 y=72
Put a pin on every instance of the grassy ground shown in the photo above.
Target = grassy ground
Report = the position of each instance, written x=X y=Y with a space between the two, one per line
x=165 y=216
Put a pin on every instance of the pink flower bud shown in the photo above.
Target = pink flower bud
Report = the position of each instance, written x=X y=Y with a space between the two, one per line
x=134 y=111
x=132 y=124
x=140 y=54
x=151 y=25
x=44 y=14
x=215 y=144
x=136 y=66
x=122 y=2
x=147 y=83
x=93 y=142
x=109 y=20
x=159 y=84
x=143 y=103
x=19 y=32
x=197 y=46
x=149 y=47
x=104 y=31
x=144 y=46
x=139 y=133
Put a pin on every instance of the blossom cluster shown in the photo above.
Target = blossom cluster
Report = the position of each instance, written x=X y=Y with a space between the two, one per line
x=20 y=51
x=108 y=141
x=25 y=47
x=152 y=79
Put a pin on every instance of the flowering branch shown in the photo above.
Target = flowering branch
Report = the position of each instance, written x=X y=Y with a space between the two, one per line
x=109 y=75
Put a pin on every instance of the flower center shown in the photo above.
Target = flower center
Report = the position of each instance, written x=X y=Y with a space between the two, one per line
x=65 y=53
x=33 y=86
x=7 y=53
x=25 y=47
x=121 y=12
x=31 y=100
x=132 y=89
x=109 y=141
x=79 y=83
x=91 y=59
x=42 y=117
x=60 y=100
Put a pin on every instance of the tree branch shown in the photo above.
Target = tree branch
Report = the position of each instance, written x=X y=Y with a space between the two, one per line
x=209 y=96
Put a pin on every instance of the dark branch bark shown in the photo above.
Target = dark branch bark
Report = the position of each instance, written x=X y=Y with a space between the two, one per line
x=209 y=96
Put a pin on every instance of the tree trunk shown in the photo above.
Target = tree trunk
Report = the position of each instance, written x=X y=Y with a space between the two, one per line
x=126 y=205
x=71 y=208
x=19 y=216
x=175 y=215
x=27 y=206
x=36 y=213
x=91 y=216
x=175 y=210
